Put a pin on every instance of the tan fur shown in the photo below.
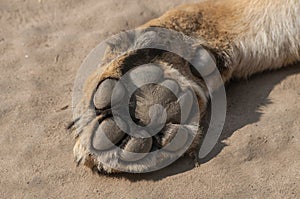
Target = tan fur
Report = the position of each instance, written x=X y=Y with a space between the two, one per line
x=245 y=36
x=256 y=35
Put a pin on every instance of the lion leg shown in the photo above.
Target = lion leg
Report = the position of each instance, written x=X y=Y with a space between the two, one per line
x=239 y=37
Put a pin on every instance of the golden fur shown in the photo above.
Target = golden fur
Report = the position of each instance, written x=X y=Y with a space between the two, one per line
x=256 y=35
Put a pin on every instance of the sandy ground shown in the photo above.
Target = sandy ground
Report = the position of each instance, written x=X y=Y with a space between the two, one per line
x=43 y=43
